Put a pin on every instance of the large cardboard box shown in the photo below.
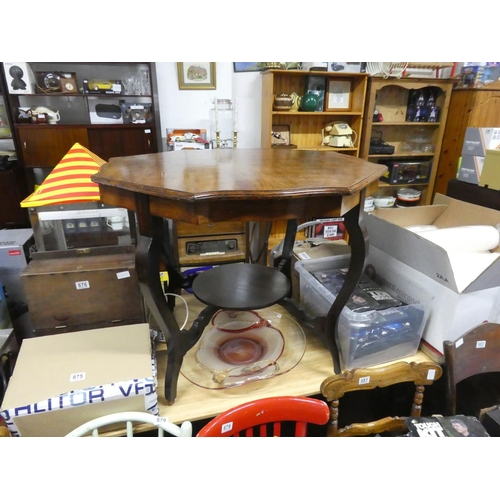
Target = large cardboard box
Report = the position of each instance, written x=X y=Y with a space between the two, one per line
x=62 y=381
x=478 y=140
x=463 y=297
x=490 y=175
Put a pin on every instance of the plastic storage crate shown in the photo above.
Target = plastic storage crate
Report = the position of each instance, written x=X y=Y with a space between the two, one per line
x=372 y=337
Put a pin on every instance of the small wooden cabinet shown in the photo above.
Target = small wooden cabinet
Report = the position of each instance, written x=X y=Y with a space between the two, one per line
x=389 y=97
x=468 y=108
x=44 y=144
x=306 y=126
x=82 y=293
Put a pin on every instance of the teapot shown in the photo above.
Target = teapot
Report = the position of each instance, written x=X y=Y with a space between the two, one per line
x=283 y=102
x=51 y=113
x=308 y=102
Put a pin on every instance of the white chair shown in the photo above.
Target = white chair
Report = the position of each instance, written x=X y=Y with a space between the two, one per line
x=128 y=417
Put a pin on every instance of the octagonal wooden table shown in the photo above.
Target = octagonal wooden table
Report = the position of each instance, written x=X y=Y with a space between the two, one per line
x=252 y=185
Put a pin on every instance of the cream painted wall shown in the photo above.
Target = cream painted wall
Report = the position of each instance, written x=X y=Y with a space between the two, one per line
x=190 y=108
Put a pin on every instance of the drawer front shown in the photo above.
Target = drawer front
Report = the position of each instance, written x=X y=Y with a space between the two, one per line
x=185 y=229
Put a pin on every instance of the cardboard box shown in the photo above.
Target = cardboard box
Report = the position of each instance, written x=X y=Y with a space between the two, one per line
x=460 y=302
x=62 y=381
x=20 y=78
x=16 y=246
x=470 y=168
x=490 y=175
x=451 y=313
x=386 y=231
x=478 y=140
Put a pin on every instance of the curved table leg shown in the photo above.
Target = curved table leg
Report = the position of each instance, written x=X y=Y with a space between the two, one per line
x=326 y=327
x=152 y=249
x=358 y=241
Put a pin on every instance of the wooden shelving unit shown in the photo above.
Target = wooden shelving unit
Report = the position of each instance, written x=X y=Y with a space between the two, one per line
x=390 y=98
x=44 y=144
x=306 y=127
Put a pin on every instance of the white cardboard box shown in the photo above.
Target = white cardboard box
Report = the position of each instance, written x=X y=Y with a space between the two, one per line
x=62 y=381
x=451 y=314
x=455 y=309
x=20 y=78
x=386 y=231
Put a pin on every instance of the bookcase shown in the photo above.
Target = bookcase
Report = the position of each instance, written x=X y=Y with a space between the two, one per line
x=389 y=97
x=86 y=103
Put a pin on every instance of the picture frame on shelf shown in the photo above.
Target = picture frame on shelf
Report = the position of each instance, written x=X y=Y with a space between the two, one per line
x=196 y=75
x=281 y=137
x=247 y=67
x=338 y=95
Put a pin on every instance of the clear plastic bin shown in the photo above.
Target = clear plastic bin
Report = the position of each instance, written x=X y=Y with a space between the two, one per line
x=371 y=337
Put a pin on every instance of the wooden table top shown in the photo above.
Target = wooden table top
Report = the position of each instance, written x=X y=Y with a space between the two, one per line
x=284 y=183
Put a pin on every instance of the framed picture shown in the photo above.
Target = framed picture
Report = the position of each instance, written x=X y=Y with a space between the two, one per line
x=338 y=95
x=281 y=135
x=196 y=75
x=245 y=67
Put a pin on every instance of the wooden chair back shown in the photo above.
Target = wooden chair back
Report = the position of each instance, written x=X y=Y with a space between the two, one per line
x=475 y=352
x=362 y=379
x=264 y=418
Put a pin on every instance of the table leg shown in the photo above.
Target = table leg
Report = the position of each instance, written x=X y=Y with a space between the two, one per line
x=150 y=252
x=326 y=327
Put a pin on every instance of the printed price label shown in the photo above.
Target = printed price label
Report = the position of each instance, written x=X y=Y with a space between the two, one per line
x=74 y=377
x=82 y=285
x=480 y=344
x=431 y=374
x=227 y=427
x=364 y=380
x=123 y=274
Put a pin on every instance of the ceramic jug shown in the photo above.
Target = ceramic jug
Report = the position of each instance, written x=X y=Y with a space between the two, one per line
x=308 y=102
x=295 y=105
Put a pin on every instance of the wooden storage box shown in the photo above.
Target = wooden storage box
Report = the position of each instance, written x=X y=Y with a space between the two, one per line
x=82 y=293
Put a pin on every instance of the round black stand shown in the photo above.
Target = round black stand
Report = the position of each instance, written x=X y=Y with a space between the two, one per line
x=241 y=286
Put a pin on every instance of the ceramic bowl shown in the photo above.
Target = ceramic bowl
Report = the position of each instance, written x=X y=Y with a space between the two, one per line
x=384 y=201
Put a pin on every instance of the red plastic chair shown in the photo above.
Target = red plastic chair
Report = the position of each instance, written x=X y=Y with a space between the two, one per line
x=247 y=418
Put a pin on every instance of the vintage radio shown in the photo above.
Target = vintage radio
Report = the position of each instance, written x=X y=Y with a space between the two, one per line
x=407 y=172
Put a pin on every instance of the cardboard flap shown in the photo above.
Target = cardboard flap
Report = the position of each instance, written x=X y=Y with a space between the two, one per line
x=411 y=216
x=409 y=247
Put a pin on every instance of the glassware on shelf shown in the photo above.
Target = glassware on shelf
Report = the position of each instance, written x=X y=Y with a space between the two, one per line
x=145 y=87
